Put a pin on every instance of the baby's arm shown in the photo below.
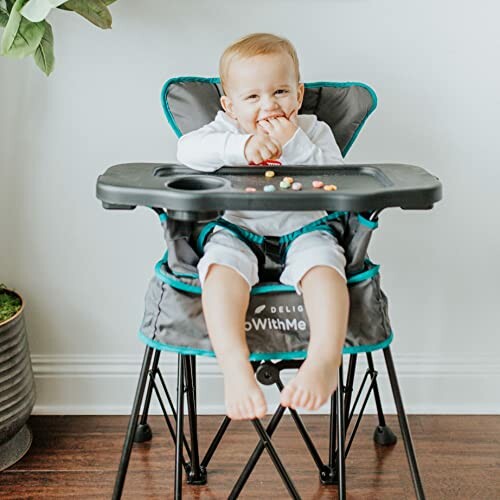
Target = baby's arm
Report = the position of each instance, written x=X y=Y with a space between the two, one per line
x=211 y=147
x=317 y=147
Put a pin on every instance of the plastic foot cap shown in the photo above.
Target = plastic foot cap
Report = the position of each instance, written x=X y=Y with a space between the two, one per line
x=384 y=436
x=328 y=475
x=143 y=433
x=197 y=479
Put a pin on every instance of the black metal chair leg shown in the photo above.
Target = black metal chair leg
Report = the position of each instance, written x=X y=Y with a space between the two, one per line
x=180 y=429
x=215 y=442
x=143 y=432
x=132 y=425
x=196 y=474
x=383 y=434
x=341 y=436
x=266 y=441
x=403 y=423
x=252 y=462
x=351 y=371
x=333 y=429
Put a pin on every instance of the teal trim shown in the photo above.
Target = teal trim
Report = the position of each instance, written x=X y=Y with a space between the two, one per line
x=233 y=228
x=179 y=285
x=185 y=275
x=366 y=222
x=203 y=236
x=178 y=133
x=309 y=228
x=370 y=348
x=364 y=275
x=164 y=102
x=256 y=356
x=350 y=84
x=173 y=282
x=160 y=346
x=257 y=289
x=317 y=225
x=289 y=238
x=163 y=217
x=262 y=289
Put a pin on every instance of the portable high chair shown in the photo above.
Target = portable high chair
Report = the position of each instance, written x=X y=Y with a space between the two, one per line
x=190 y=205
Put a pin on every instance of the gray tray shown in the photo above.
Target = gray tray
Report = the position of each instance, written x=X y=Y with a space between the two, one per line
x=187 y=194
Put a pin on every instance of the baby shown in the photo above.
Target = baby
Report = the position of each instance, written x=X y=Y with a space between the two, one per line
x=263 y=94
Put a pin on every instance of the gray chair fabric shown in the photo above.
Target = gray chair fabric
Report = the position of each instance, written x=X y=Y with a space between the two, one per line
x=194 y=102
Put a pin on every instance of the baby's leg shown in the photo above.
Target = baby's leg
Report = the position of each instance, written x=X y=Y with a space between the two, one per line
x=327 y=304
x=326 y=301
x=225 y=300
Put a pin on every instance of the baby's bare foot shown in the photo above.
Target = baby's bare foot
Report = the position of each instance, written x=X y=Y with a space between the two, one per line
x=244 y=398
x=312 y=386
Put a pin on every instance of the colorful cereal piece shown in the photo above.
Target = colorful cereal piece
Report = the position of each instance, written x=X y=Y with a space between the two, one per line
x=330 y=187
x=250 y=189
x=284 y=184
x=269 y=188
x=317 y=184
x=296 y=186
x=288 y=179
x=269 y=173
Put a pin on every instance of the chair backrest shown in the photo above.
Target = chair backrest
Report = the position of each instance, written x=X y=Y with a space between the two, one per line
x=189 y=102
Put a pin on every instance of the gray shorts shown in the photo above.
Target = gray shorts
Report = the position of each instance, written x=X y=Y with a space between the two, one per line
x=317 y=248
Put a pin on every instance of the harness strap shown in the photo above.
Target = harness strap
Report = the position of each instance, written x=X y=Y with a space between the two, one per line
x=274 y=246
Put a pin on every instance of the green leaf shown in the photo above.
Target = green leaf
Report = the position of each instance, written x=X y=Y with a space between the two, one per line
x=94 y=11
x=44 y=55
x=105 y=2
x=20 y=37
x=4 y=17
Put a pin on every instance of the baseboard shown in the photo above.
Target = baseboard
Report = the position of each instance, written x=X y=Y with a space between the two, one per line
x=105 y=385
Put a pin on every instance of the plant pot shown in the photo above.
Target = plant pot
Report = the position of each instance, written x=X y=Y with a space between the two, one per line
x=17 y=388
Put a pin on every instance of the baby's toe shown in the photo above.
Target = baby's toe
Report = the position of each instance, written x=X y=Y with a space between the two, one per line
x=296 y=397
x=286 y=396
x=304 y=399
x=259 y=407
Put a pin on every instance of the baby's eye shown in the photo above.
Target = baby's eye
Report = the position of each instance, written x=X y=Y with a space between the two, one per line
x=281 y=91
x=252 y=97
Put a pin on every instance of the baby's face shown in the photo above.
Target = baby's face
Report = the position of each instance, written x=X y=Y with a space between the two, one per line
x=261 y=87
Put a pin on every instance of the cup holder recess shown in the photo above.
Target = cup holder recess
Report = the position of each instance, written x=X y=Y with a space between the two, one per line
x=197 y=183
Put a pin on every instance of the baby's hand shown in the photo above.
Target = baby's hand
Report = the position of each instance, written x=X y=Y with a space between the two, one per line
x=261 y=147
x=280 y=129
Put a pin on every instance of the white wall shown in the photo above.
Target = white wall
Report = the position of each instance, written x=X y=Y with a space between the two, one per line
x=83 y=270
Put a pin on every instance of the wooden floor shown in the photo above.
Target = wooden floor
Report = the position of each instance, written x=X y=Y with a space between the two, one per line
x=77 y=457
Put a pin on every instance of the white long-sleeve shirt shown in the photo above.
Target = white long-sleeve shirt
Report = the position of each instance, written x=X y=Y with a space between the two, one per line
x=221 y=143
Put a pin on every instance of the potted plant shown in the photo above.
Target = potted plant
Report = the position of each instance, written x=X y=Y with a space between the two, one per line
x=17 y=388
x=27 y=33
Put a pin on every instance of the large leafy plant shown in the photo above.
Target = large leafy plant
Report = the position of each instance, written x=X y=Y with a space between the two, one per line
x=27 y=33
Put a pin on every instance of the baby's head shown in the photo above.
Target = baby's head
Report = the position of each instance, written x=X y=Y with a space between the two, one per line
x=260 y=77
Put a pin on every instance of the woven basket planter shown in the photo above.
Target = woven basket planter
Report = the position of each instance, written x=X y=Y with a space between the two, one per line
x=17 y=388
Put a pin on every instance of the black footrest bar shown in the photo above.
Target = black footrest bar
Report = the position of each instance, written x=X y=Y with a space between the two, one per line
x=254 y=458
x=215 y=442
x=266 y=441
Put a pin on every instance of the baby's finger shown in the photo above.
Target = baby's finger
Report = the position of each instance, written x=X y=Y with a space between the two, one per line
x=273 y=154
x=273 y=122
x=277 y=147
x=263 y=127
x=264 y=124
x=281 y=121
x=266 y=151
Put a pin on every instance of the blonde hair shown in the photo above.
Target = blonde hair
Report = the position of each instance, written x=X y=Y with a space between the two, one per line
x=256 y=44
